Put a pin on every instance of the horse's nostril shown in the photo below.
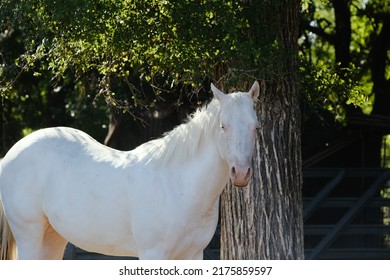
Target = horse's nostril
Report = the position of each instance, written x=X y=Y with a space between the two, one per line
x=248 y=174
x=233 y=171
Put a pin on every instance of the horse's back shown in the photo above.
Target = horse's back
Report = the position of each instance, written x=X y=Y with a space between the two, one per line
x=45 y=142
x=40 y=153
x=49 y=148
x=52 y=159
x=31 y=163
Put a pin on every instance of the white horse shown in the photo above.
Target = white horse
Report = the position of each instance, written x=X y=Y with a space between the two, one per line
x=158 y=201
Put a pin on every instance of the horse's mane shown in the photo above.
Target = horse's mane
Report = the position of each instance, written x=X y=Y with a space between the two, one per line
x=182 y=142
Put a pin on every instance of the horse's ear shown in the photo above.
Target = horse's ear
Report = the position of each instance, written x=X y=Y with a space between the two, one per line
x=254 y=91
x=217 y=93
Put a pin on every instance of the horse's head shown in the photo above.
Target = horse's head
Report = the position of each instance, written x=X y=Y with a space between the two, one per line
x=238 y=123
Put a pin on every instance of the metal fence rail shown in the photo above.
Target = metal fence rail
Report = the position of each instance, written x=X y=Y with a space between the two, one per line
x=344 y=225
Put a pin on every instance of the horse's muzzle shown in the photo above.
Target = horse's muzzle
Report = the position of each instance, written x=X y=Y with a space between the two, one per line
x=240 y=176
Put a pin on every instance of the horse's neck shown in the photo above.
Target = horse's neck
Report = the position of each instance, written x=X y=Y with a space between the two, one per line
x=204 y=176
x=190 y=158
x=205 y=173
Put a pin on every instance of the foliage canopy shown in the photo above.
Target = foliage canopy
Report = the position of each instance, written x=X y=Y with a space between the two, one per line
x=123 y=49
x=120 y=38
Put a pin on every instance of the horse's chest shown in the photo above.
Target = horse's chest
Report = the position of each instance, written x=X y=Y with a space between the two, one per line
x=194 y=235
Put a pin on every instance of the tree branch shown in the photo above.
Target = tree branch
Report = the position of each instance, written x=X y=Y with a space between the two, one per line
x=331 y=38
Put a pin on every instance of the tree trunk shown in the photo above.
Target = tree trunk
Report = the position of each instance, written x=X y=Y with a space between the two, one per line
x=378 y=55
x=264 y=220
x=343 y=31
x=381 y=89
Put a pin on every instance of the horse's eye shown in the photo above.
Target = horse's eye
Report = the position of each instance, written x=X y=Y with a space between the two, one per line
x=223 y=126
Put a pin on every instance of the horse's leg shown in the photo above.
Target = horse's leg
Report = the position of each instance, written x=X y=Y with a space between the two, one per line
x=191 y=256
x=38 y=241
x=153 y=254
x=29 y=237
x=199 y=256
x=156 y=254
x=53 y=244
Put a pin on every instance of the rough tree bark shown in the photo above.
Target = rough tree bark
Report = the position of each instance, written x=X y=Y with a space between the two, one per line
x=264 y=220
